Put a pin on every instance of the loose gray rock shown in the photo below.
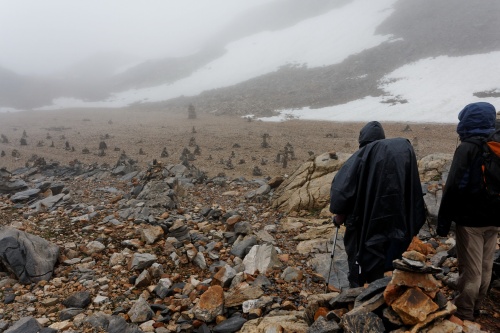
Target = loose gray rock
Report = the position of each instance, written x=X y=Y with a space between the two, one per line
x=78 y=300
x=24 y=195
x=25 y=325
x=230 y=325
x=141 y=261
x=241 y=248
x=163 y=287
x=323 y=326
x=140 y=311
x=261 y=258
x=363 y=323
x=98 y=321
x=12 y=186
x=47 y=203
x=243 y=228
x=291 y=274
x=346 y=296
x=49 y=330
x=66 y=314
x=29 y=257
x=373 y=288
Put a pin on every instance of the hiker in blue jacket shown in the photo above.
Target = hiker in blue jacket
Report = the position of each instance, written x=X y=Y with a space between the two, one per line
x=476 y=216
x=377 y=194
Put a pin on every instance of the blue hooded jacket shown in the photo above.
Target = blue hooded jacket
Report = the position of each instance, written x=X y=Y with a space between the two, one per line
x=476 y=119
x=464 y=201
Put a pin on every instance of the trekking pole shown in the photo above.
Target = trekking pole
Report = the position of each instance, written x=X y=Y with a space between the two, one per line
x=331 y=260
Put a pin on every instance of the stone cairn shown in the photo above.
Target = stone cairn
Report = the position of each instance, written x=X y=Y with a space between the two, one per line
x=197 y=150
x=187 y=155
x=192 y=142
x=286 y=154
x=191 y=112
x=409 y=301
x=256 y=171
x=264 y=143
x=164 y=152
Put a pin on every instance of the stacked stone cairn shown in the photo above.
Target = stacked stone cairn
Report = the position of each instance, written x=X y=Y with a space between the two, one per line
x=410 y=300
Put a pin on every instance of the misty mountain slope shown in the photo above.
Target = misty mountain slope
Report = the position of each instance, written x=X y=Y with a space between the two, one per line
x=161 y=71
x=268 y=17
x=263 y=53
x=273 y=16
x=21 y=91
x=338 y=57
x=446 y=27
x=91 y=79
x=419 y=31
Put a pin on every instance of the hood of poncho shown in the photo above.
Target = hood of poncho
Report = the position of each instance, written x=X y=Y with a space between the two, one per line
x=371 y=132
x=476 y=119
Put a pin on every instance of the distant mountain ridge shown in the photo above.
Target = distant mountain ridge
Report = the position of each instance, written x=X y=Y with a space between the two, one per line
x=423 y=29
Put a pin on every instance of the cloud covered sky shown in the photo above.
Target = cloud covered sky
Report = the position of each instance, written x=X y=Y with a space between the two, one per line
x=45 y=36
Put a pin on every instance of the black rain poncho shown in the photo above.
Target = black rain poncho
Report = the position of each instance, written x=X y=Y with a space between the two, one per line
x=380 y=191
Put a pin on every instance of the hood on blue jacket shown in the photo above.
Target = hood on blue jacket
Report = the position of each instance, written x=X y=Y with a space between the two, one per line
x=476 y=119
x=372 y=131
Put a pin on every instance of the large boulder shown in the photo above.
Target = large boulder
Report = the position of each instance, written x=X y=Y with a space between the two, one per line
x=278 y=321
x=434 y=167
x=433 y=171
x=308 y=187
x=12 y=186
x=29 y=257
x=25 y=325
x=261 y=258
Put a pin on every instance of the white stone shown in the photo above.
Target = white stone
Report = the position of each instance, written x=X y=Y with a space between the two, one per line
x=61 y=325
x=147 y=326
x=100 y=300
x=250 y=305
x=261 y=258
x=95 y=247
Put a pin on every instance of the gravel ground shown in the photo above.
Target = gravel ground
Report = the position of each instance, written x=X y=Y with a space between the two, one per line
x=133 y=129
x=218 y=138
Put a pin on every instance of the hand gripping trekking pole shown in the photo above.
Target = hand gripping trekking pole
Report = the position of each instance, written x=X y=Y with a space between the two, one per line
x=331 y=260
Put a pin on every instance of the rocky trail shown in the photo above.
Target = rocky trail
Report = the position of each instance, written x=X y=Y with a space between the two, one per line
x=99 y=248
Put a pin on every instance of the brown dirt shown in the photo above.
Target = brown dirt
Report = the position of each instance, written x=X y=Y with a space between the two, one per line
x=133 y=129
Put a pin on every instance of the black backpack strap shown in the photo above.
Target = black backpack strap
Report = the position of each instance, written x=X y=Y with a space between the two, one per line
x=481 y=142
x=477 y=140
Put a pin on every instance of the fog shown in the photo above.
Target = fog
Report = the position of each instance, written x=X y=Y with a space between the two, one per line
x=314 y=59
x=44 y=37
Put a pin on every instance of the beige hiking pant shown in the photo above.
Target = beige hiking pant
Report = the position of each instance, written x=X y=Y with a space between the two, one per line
x=475 y=251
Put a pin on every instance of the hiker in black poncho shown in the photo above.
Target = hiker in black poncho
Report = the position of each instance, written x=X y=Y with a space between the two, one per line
x=377 y=194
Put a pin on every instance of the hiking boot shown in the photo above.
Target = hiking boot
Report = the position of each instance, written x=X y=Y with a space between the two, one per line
x=478 y=313
x=462 y=317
